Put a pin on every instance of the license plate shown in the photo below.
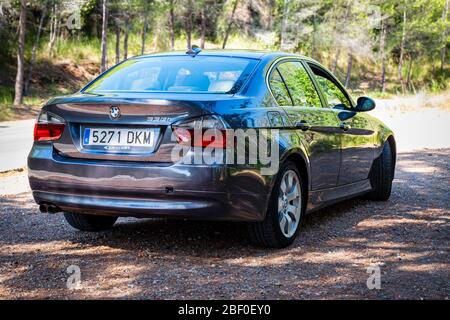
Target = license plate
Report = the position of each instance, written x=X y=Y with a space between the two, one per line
x=120 y=139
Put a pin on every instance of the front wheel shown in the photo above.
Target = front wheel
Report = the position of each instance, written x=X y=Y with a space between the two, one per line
x=381 y=175
x=284 y=213
x=89 y=222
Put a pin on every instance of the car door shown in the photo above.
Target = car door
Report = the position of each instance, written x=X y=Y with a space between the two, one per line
x=317 y=126
x=357 y=133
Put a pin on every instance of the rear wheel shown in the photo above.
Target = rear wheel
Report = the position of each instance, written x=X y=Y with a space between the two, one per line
x=381 y=175
x=88 y=222
x=284 y=213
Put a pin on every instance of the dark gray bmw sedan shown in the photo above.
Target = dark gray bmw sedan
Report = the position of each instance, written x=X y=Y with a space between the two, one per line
x=257 y=137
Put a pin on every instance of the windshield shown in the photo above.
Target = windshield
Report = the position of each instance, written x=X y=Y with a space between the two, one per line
x=176 y=74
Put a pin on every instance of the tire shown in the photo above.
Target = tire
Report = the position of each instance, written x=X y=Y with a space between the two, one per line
x=381 y=175
x=88 y=222
x=269 y=232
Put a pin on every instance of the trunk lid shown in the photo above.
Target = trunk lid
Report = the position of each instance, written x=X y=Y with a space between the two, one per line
x=145 y=113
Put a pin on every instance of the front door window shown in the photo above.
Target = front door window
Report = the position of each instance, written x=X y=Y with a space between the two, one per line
x=335 y=96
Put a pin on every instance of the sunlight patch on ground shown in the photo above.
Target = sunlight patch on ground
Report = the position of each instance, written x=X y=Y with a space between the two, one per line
x=418 y=167
x=430 y=267
x=59 y=248
x=387 y=222
x=14 y=184
x=114 y=281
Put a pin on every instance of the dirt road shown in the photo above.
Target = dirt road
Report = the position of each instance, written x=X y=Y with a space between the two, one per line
x=408 y=237
x=16 y=139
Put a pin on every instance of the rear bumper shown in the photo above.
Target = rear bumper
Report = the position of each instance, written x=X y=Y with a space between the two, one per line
x=141 y=189
x=187 y=207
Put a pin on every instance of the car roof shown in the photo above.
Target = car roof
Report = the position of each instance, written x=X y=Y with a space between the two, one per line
x=251 y=54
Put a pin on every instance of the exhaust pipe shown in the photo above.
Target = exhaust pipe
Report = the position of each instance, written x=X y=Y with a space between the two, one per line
x=53 y=209
x=43 y=208
x=48 y=208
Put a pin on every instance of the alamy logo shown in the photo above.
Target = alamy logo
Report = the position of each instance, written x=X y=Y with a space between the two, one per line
x=74 y=21
x=74 y=280
x=374 y=280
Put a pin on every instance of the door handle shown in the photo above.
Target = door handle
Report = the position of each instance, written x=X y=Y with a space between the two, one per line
x=303 y=125
x=344 y=126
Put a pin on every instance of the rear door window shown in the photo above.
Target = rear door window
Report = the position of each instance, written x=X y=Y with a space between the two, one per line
x=299 y=84
x=279 y=89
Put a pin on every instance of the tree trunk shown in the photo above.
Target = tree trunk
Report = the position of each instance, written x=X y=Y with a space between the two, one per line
x=433 y=66
x=203 y=27
x=18 y=97
x=444 y=34
x=35 y=46
x=52 y=16
x=349 y=69
x=230 y=24
x=188 y=25
x=94 y=26
x=125 y=38
x=104 y=31
x=338 y=51
x=57 y=29
x=155 y=42
x=63 y=33
x=144 y=33
x=172 y=24
x=270 y=18
x=313 y=42
x=335 y=60
x=53 y=29
x=283 y=24
x=383 y=55
x=117 y=21
x=408 y=78
x=402 y=50
x=413 y=87
x=145 y=27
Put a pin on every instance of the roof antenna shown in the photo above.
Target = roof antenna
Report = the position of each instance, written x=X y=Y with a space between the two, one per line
x=194 y=50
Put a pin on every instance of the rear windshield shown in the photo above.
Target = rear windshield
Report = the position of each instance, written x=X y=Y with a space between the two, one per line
x=176 y=74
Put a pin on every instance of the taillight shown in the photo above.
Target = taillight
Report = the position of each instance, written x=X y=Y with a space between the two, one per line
x=208 y=131
x=48 y=127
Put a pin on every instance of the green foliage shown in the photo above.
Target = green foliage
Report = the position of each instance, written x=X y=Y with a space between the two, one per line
x=326 y=30
x=6 y=95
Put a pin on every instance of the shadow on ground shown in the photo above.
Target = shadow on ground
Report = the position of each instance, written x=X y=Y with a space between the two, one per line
x=408 y=237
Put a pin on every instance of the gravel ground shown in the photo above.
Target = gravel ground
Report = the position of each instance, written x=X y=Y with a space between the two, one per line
x=407 y=237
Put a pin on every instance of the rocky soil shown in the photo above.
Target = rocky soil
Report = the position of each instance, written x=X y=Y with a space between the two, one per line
x=408 y=237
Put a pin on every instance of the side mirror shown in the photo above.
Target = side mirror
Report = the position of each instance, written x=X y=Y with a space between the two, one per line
x=364 y=104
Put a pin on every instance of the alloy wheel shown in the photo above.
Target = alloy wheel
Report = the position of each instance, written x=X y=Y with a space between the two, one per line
x=289 y=203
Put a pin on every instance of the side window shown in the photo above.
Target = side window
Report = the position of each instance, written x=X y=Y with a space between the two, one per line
x=279 y=89
x=299 y=84
x=333 y=93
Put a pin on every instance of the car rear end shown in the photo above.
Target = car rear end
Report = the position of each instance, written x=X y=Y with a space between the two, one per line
x=110 y=152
